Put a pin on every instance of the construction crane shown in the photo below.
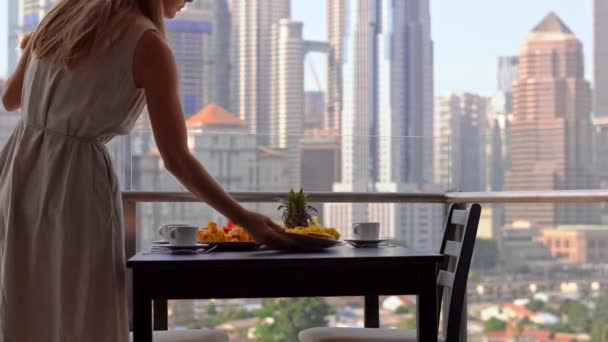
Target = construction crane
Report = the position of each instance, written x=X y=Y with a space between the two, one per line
x=314 y=73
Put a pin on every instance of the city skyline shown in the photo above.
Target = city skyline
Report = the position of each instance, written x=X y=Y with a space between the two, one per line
x=490 y=28
x=456 y=69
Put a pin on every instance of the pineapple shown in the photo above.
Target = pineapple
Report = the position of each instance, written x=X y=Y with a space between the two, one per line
x=296 y=211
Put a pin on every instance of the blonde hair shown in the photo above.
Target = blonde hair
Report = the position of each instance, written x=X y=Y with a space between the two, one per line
x=73 y=29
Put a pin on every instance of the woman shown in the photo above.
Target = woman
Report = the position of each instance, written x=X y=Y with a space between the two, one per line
x=84 y=78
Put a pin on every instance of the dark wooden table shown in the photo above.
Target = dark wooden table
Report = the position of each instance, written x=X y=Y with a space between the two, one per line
x=339 y=271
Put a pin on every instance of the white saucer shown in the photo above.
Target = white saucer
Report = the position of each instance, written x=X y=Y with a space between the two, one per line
x=197 y=246
x=366 y=243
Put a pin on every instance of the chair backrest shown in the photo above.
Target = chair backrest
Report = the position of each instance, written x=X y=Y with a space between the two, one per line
x=458 y=243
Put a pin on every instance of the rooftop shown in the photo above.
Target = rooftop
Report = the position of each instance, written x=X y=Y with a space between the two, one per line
x=270 y=151
x=552 y=23
x=214 y=114
x=583 y=227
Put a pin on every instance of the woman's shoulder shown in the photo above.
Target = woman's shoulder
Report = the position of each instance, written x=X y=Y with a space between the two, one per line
x=137 y=22
x=134 y=27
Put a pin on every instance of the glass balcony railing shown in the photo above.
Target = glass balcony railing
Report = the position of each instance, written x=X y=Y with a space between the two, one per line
x=521 y=278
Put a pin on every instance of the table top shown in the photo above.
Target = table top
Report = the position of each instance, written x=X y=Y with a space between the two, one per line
x=340 y=254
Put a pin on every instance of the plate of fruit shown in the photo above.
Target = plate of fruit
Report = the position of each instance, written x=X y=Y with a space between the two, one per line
x=229 y=237
x=302 y=227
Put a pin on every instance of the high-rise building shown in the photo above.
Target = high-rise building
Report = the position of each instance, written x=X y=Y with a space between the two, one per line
x=287 y=93
x=411 y=91
x=10 y=42
x=335 y=35
x=319 y=164
x=387 y=100
x=600 y=32
x=314 y=109
x=190 y=37
x=551 y=131
x=252 y=22
x=498 y=154
x=220 y=36
x=508 y=71
x=460 y=161
x=600 y=95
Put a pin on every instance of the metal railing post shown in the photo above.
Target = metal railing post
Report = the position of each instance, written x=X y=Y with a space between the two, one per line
x=129 y=209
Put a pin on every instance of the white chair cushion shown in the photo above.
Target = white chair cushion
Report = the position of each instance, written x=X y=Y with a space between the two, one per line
x=356 y=335
x=188 y=336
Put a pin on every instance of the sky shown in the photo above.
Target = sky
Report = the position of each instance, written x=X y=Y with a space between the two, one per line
x=468 y=36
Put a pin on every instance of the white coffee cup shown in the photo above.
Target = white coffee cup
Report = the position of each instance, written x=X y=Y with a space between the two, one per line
x=179 y=234
x=366 y=231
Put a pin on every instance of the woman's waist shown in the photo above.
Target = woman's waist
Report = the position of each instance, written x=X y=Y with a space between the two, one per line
x=98 y=138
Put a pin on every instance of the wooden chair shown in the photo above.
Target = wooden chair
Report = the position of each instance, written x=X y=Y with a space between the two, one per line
x=188 y=336
x=458 y=243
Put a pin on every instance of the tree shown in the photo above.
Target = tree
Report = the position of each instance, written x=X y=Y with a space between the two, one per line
x=283 y=319
x=213 y=317
x=409 y=324
x=211 y=309
x=561 y=328
x=599 y=330
x=494 y=324
x=535 y=305
x=402 y=309
x=578 y=317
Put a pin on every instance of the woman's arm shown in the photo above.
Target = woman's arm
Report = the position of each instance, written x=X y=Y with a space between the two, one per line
x=11 y=98
x=156 y=72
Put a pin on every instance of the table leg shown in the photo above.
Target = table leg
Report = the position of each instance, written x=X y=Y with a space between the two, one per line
x=161 y=321
x=372 y=314
x=142 y=311
x=428 y=315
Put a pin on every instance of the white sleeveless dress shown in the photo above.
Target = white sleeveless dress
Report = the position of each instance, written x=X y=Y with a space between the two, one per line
x=62 y=263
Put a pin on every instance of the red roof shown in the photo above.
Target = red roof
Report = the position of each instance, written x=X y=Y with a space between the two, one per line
x=563 y=337
x=214 y=114
x=520 y=310
x=497 y=334
x=538 y=335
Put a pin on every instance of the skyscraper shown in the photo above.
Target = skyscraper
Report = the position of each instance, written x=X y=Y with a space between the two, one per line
x=287 y=93
x=460 y=161
x=508 y=71
x=411 y=90
x=600 y=95
x=387 y=96
x=498 y=154
x=252 y=22
x=335 y=35
x=314 y=109
x=189 y=35
x=9 y=43
x=600 y=25
x=220 y=37
x=551 y=124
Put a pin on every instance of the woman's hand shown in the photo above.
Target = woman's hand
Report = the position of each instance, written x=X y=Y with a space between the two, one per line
x=264 y=230
x=13 y=89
